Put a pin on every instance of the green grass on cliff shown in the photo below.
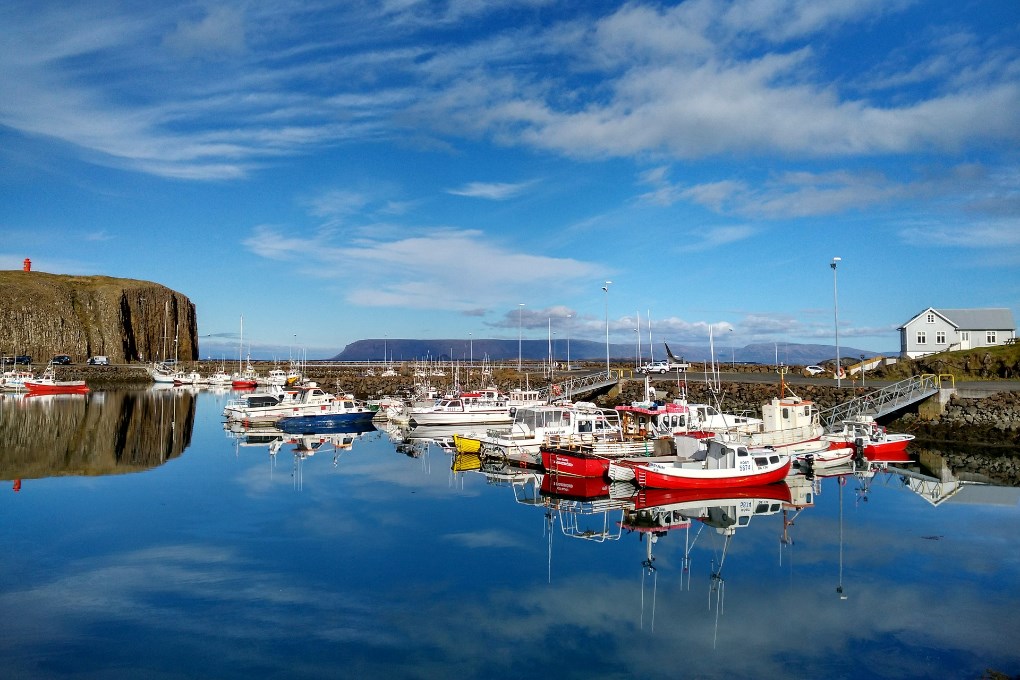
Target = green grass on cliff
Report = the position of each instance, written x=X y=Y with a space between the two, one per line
x=983 y=363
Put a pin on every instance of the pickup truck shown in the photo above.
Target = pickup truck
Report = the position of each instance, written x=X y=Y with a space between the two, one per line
x=663 y=367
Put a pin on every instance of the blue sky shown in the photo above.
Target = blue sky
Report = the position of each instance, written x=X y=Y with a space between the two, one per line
x=334 y=171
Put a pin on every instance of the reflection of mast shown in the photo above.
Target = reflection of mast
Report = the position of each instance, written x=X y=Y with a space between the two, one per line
x=649 y=569
x=839 y=588
x=688 y=545
x=549 y=519
x=718 y=585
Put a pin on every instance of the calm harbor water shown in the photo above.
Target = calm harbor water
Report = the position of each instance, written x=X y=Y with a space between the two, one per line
x=141 y=538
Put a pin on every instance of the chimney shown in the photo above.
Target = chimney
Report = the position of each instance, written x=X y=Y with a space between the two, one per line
x=27 y=265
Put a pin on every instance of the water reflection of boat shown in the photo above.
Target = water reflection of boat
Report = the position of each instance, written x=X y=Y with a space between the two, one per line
x=326 y=424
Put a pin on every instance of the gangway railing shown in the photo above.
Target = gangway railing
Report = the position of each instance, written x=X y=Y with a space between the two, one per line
x=579 y=385
x=882 y=401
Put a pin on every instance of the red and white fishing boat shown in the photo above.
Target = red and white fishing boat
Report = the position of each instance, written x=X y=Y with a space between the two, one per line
x=593 y=459
x=245 y=379
x=726 y=464
x=876 y=443
x=47 y=383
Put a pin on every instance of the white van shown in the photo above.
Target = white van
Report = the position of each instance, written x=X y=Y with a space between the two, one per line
x=99 y=361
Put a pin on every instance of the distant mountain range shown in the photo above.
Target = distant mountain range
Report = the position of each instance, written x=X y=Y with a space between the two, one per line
x=585 y=350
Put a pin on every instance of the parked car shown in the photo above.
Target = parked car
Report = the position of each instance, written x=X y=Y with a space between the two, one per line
x=61 y=360
x=99 y=361
x=813 y=370
x=19 y=359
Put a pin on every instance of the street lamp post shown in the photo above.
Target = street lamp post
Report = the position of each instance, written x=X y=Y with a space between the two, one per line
x=835 y=314
x=605 y=289
x=520 y=311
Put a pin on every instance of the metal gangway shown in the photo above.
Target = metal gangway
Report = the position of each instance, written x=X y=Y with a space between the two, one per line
x=586 y=383
x=883 y=401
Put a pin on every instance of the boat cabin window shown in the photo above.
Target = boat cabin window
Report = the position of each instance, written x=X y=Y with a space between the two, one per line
x=761 y=461
x=743 y=521
x=762 y=508
x=773 y=459
x=742 y=451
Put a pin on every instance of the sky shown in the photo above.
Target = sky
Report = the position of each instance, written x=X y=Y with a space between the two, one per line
x=335 y=171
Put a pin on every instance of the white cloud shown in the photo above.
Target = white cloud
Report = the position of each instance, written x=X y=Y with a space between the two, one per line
x=220 y=30
x=999 y=234
x=436 y=268
x=495 y=191
x=703 y=79
x=718 y=237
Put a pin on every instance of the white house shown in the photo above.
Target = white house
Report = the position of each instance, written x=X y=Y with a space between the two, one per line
x=941 y=330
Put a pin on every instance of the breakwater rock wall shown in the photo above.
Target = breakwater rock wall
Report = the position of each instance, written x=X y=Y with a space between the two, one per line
x=45 y=314
x=991 y=420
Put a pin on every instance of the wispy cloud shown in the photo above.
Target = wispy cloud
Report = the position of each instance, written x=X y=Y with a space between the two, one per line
x=495 y=191
x=439 y=268
x=718 y=237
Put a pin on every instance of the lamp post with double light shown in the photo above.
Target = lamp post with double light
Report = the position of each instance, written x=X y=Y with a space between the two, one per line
x=605 y=289
x=835 y=314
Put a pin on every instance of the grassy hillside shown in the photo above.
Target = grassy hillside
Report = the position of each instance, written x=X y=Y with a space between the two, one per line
x=984 y=363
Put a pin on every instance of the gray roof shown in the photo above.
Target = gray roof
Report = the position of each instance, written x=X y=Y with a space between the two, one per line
x=999 y=319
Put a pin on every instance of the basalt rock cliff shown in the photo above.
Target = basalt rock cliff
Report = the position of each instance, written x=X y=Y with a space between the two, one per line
x=45 y=314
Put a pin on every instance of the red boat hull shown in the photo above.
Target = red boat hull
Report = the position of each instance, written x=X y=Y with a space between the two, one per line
x=659 y=480
x=243 y=384
x=888 y=452
x=894 y=451
x=577 y=463
x=75 y=387
x=574 y=487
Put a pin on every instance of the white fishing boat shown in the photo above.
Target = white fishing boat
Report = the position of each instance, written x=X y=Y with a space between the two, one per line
x=482 y=406
x=535 y=426
x=271 y=404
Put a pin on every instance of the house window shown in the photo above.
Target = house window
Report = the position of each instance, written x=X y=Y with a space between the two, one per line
x=965 y=336
x=990 y=337
x=940 y=338
x=920 y=338
x=931 y=318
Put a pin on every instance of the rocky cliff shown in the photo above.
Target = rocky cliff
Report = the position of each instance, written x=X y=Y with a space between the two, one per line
x=45 y=314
